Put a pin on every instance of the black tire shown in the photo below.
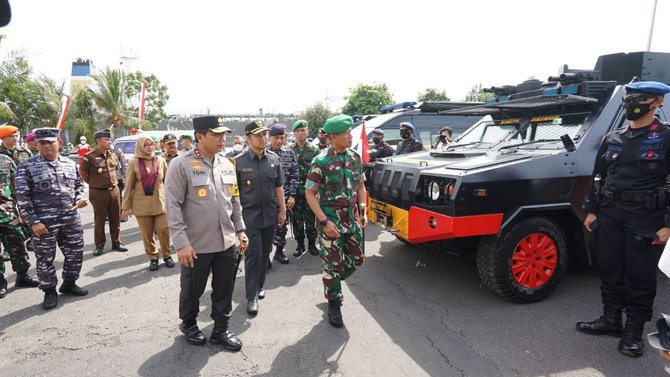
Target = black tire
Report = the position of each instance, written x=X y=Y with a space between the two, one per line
x=495 y=262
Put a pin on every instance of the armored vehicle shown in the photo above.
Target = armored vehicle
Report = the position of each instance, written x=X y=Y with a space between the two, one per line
x=512 y=187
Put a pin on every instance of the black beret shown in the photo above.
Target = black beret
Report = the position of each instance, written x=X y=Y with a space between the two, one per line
x=103 y=133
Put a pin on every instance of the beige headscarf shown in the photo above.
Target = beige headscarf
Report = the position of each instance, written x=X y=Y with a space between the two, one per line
x=140 y=152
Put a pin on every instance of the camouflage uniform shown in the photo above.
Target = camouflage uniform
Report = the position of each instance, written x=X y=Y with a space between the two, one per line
x=44 y=190
x=19 y=154
x=289 y=165
x=302 y=217
x=335 y=177
x=10 y=228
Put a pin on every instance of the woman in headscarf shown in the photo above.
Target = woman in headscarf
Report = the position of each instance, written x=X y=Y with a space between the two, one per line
x=144 y=197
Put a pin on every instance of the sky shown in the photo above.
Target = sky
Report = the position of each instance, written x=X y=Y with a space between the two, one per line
x=226 y=57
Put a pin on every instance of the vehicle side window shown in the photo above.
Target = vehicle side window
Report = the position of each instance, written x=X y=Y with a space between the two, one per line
x=128 y=147
x=392 y=129
x=428 y=126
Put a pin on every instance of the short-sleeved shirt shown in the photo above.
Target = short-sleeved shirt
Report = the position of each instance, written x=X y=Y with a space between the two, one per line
x=47 y=188
x=257 y=179
x=202 y=202
x=101 y=167
x=335 y=177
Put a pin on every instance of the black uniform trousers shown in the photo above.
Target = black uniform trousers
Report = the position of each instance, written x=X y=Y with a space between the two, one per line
x=256 y=258
x=627 y=261
x=193 y=282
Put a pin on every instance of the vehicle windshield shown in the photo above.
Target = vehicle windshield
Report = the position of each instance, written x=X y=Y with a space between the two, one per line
x=543 y=129
x=128 y=147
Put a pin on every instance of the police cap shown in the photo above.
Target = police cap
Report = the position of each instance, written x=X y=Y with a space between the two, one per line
x=103 y=133
x=337 y=124
x=277 y=129
x=169 y=138
x=7 y=130
x=652 y=88
x=210 y=123
x=46 y=133
x=299 y=124
x=254 y=128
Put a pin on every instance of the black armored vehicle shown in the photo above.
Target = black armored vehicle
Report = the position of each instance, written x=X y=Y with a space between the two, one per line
x=512 y=187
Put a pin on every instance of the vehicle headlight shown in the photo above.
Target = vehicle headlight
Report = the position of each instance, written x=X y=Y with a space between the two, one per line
x=434 y=190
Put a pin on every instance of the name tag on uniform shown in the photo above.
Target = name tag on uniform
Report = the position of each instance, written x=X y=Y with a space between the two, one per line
x=247 y=170
x=229 y=178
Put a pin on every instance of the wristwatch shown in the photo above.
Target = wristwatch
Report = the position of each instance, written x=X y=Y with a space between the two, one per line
x=324 y=222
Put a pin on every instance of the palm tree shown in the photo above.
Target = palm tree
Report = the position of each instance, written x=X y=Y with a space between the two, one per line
x=6 y=111
x=109 y=94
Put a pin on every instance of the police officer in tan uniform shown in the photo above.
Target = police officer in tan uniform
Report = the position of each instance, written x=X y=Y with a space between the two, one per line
x=205 y=220
x=98 y=169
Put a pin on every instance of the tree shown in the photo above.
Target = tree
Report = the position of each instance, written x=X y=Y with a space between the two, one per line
x=476 y=95
x=432 y=94
x=82 y=118
x=155 y=96
x=110 y=96
x=367 y=99
x=316 y=116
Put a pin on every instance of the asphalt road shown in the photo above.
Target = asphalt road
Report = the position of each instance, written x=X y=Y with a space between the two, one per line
x=407 y=312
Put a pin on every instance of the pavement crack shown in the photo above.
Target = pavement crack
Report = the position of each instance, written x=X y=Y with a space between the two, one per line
x=446 y=359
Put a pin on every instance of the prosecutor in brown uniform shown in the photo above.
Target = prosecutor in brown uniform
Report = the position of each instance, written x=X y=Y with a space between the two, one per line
x=98 y=169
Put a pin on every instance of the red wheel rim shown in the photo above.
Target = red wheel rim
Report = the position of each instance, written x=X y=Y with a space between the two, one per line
x=534 y=260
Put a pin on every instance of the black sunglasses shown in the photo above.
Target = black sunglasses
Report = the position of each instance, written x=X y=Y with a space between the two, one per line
x=663 y=326
x=636 y=98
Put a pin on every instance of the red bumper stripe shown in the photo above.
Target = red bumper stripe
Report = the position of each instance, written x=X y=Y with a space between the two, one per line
x=424 y=225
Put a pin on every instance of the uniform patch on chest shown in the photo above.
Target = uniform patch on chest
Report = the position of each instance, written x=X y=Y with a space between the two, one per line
x=202 y=193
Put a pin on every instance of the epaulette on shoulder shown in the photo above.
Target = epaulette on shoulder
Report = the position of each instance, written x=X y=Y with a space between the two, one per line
x=232 y=160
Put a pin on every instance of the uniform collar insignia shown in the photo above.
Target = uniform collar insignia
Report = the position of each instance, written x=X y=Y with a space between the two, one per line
x=197 y=153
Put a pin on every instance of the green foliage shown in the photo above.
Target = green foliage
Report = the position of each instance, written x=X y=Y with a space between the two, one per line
x=367 y=99
x=316 y=117
x=476 y=95
x=432 y=94
x=82 y=118
x=155 y=96
x=110 y=96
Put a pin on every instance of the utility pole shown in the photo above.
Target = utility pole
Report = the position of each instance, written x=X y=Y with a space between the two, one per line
x=651 y=27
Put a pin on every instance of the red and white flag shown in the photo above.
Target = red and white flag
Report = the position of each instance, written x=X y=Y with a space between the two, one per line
x=63 y=113
x=363 y=148
x=144 y=90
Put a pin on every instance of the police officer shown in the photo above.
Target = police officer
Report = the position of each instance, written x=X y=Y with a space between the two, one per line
x=48 y=190
x=186 y=143
x=628 y=210
x=98 y=169
x=289 y=165
x=324 y=142
x=11 y=229
x=205 y=220
x=171 y=150
x=382 y=148
x=336 y=175
x=409 y=141
x=302 y=217
x=260 y=178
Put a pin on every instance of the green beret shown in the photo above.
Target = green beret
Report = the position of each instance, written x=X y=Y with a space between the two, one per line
x=156 y=139
x=186 y=137
x=337 y=124
x=299 y=124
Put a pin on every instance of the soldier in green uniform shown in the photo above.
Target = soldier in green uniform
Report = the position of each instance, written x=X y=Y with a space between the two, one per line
x=10 y=148
x=336 y=175
x=10 y=225
x=302 y=218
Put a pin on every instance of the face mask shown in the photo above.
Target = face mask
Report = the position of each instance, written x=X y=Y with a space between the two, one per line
x=376 y=140
x=237 y=148
x=405 y=134
x=636 y=110
x=322 y=139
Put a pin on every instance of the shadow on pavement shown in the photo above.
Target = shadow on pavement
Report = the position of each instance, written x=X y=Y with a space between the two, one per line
x=181 y=358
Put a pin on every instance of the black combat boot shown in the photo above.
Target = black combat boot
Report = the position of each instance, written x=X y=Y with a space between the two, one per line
x=25 y=280
x=70 y=287
x=312 y=247
x=300 y=249
x=50 y=298
x=608 y=324
x=631 y=343
x=221 y=335
x=3 y=286
x=334 y=313
x=279 y=255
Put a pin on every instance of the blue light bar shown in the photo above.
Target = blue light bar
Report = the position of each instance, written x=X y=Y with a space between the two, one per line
x=401 y=105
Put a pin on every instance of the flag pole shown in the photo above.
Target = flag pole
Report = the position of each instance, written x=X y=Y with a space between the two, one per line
x=63 y=114
x=142 y=97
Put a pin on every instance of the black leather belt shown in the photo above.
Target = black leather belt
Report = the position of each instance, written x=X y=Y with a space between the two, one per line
x=104 y=188
x=630 y=196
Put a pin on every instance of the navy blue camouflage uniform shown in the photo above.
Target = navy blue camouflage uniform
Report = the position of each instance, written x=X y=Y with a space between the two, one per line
x=44 y=190
x=289 y=166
